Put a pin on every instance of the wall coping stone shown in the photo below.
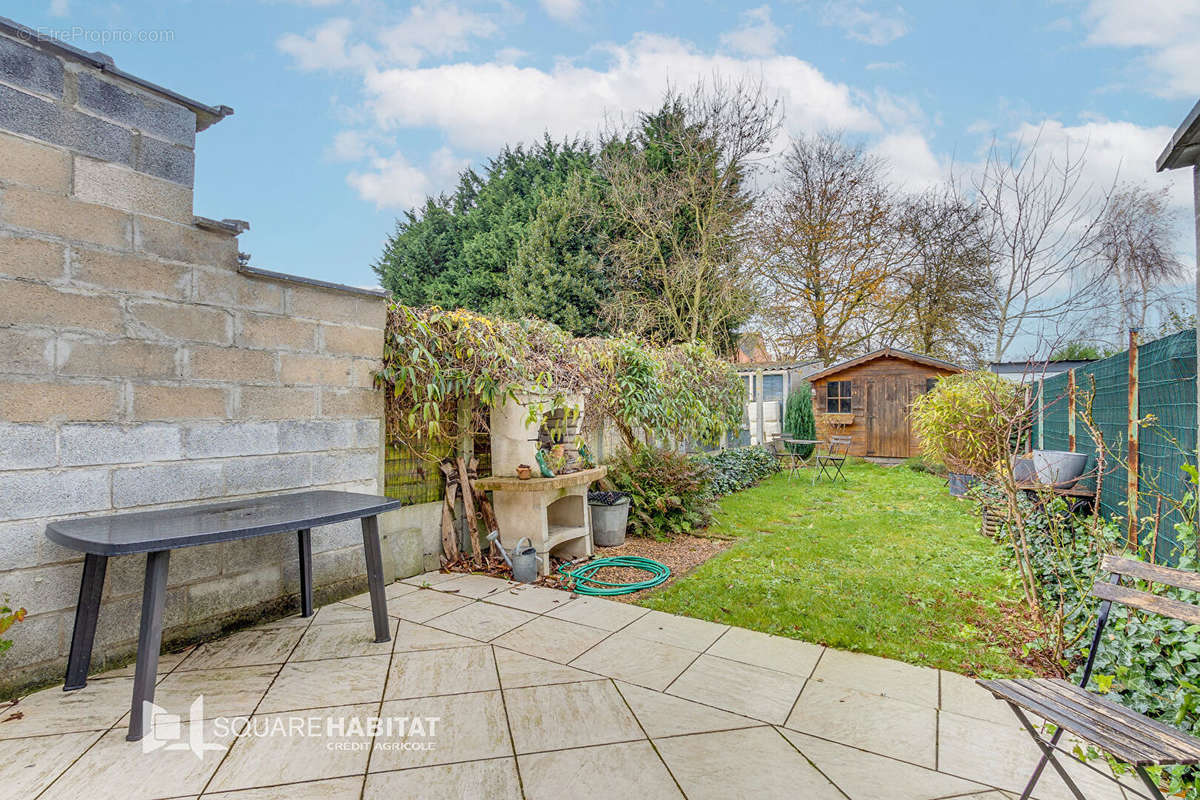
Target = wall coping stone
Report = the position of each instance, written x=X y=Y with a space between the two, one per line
x=206 y=115
x=288 y=278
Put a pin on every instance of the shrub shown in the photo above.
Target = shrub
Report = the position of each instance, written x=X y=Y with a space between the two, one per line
x=966 y=421
x=439 y=365
x=669 y=493
x=798 y=420
x=926 y=465
x=739 y=468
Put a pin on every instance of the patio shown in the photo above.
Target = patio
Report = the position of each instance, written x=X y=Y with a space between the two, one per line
x=535 y=693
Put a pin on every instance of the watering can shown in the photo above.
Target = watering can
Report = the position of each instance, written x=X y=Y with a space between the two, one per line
x=523 y=559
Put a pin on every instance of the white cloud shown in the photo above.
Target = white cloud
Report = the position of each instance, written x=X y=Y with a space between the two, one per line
x=510 y=55
x=1111 y=149
x=351 y=146
x=563 y=10
x=885 y=65
x=477 y=107
x=1167 y=33
x=865 y=24
x=59 y=8
x=483 y=106
x=433 y=28
x=756 y=35
x=394 y=182
x=429 y=28
x=326 y=47
x=912 y=164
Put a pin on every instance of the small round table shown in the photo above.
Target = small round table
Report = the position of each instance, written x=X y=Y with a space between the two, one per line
x=796 y=461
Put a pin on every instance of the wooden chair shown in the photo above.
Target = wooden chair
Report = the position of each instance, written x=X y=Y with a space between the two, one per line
x=1125 y=734
x=831 y=461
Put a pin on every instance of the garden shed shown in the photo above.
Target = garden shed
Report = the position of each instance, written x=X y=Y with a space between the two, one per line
x=868 y=399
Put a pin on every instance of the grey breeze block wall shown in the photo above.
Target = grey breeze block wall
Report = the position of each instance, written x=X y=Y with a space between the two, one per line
x=140 y=368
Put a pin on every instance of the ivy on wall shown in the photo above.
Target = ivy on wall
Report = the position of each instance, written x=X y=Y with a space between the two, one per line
x=442 y=371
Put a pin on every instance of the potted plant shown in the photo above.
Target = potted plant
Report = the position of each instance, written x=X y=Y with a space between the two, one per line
x=966 y=422
x=610 y=517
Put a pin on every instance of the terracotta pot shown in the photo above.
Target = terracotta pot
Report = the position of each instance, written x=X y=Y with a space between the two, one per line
x=524 y=472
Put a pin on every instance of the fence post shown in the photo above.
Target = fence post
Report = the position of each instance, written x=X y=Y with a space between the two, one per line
x=1041 y=413
x=1071 y=409
x=1131 y=488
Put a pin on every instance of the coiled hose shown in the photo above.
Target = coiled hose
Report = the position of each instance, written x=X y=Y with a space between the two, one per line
x=585 y=583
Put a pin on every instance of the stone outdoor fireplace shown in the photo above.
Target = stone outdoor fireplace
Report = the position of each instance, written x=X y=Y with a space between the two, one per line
x=552 y=512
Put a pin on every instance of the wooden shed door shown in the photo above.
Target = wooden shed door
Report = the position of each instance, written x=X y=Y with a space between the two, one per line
x=888 y=434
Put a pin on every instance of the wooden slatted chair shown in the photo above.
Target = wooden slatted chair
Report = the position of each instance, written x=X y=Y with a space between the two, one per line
x=1125 y=734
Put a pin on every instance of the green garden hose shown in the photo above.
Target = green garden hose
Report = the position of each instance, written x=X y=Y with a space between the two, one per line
x=586 y=584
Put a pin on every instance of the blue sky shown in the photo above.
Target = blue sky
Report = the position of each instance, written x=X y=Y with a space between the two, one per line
x=348 y=112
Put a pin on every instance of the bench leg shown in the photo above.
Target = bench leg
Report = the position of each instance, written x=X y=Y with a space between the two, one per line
x=304 y=539
x=1150 y=784
x=1047 y=749
x=87 y=611
x=154 y=597
x=370 y=529
x=1041 y=765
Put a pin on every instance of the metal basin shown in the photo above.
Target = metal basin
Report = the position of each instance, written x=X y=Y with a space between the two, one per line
x=1059 y=468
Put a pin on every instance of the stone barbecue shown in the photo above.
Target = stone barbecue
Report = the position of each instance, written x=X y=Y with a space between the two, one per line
x=552 y=512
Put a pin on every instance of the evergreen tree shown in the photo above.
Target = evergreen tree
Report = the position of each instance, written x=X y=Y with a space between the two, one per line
x=798 y=420
x=463 y=250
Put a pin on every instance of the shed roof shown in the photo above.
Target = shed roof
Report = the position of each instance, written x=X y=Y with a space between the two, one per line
x=1184 y=147
x=887 y=352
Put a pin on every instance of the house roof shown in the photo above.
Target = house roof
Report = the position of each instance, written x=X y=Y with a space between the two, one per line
x=1184 y=147
x=887 y=352
x=753 y=366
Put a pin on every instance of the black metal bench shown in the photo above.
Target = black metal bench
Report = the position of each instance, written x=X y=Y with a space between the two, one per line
x=157 y=533
x=1125 y=734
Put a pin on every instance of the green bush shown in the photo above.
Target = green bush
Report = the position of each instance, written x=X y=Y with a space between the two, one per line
x=739 y=468
x=926 y=465
x=798 y=420
x=967 y=421
x=669 y=493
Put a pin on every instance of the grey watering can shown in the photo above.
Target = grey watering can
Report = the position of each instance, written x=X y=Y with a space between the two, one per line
x=523 y=559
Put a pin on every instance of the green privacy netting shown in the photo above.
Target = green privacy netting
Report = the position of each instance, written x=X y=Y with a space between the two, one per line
x=1167 y=390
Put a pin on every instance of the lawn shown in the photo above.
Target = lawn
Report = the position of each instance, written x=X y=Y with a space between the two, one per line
x=887 y=563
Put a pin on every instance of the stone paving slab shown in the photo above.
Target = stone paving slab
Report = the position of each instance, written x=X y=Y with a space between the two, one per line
x=481 y=621
x=525 y=692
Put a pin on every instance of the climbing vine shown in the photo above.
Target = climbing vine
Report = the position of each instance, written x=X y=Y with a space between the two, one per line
x=442 y=371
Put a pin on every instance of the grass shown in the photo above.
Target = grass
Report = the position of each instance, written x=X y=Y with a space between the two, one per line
x=887 y=564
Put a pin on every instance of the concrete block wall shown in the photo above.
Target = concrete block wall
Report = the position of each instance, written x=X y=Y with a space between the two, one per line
x=139 y=367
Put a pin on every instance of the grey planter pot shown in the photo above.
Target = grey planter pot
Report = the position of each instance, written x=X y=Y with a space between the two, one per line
x=960 y=482
x=608 y=523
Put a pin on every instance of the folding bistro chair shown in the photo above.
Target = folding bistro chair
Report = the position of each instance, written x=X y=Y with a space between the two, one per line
x=783 y=457
x=831 y=461
x=1125 y=734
